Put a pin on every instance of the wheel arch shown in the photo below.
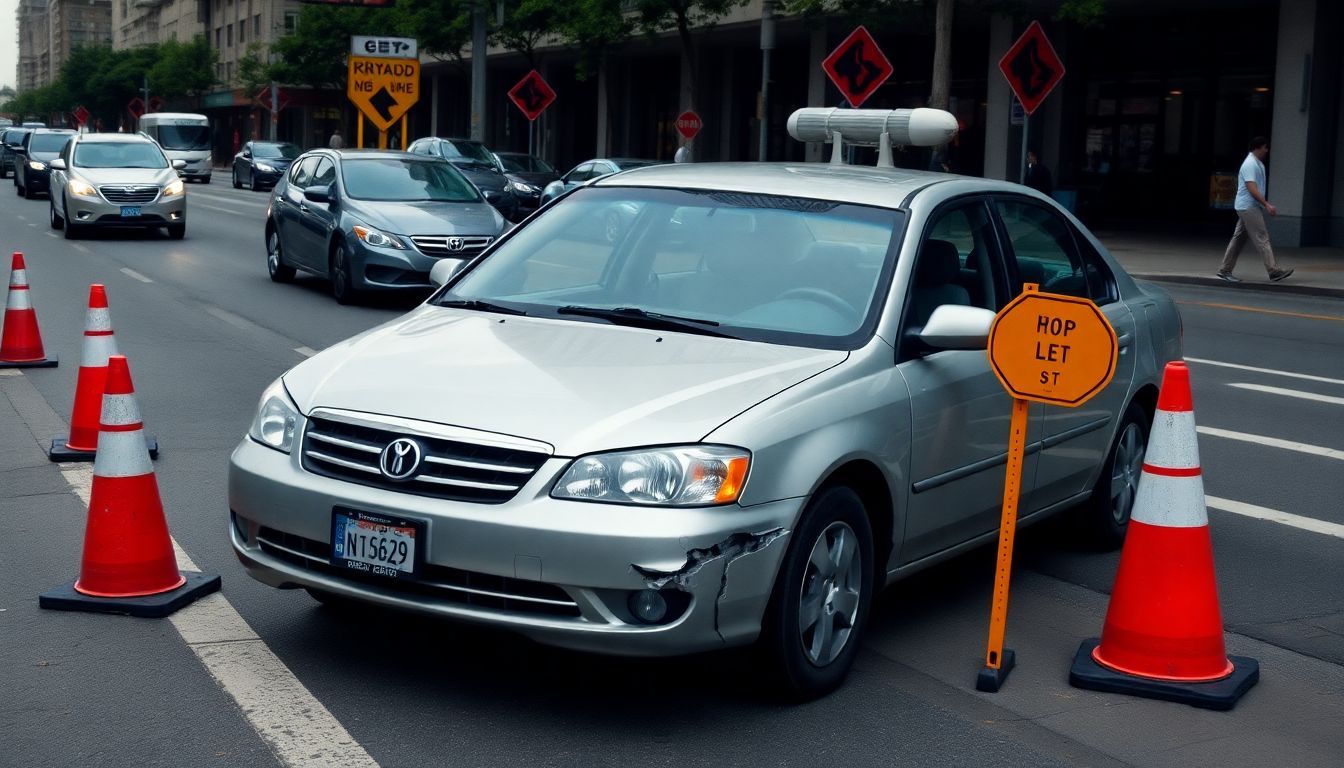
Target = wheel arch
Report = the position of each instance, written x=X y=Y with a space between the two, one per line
x=866 y=479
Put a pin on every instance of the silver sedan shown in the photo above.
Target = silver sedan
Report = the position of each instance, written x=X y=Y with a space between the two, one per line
x=765 y=400
x=116 y=180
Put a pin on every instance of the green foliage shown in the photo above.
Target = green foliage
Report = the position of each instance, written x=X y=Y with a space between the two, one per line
x=442 y=28
x=254 y=71
x=1085 y=12
x=315 y=54
x=593 y=27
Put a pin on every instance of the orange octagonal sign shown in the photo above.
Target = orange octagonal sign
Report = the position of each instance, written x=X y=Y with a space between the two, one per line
x=1051 y=348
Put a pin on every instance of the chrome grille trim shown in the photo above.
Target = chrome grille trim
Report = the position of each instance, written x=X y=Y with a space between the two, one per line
x=262 y=540
x=475 y=465
x=466 y=483
x=340 y=462
x=347 y=443
x=130 y=194
x=437 y=245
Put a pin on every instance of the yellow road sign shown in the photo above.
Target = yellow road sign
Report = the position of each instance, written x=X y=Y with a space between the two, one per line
x=383 y=89
x=1053 y=349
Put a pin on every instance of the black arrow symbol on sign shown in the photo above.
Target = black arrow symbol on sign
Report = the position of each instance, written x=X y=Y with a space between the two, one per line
x=382 y=102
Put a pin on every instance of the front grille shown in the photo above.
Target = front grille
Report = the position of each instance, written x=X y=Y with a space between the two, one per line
x=441 y=245
x=458 y=470
x=437 y=582
x=140 y=193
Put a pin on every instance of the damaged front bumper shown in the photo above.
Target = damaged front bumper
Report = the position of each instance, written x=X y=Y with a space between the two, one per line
x=561 y=572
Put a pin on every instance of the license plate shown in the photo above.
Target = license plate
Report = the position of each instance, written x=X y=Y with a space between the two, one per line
x=128 y=211
x=373 y=543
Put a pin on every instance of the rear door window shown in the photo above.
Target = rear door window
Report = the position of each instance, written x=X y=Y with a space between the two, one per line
x=1043 y=251
x=303 y=172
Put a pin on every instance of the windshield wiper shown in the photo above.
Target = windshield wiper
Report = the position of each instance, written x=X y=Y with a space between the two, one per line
x=645 y=319
x=479 y=305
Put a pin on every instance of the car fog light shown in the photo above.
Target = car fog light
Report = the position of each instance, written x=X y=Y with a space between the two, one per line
x=648 y=606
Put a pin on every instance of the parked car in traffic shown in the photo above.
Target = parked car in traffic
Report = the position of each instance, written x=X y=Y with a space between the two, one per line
x=116 y=180
x=766 y=400
x=475 y=162
x=261 y=164
x=529 y=175
x=374 y=220
x=40 y=146
x=11 y=140
x=589 y=170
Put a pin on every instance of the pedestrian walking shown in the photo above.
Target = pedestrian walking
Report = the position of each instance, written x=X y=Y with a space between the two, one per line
x=336 y=141
x=1038 y=176
x=1251 y=206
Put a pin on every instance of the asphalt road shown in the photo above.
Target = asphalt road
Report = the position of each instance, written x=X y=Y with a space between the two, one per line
x=206 y=331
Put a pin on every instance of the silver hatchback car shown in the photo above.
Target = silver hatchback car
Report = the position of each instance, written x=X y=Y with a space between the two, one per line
x=764 y=400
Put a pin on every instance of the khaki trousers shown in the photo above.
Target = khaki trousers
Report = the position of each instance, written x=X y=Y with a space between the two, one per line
x=1250 y=226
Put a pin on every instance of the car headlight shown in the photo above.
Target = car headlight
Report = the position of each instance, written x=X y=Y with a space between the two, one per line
x=377 y=239
x=523 y=187
x=266 y=168
x=36 y=166
x=277 y=419
x=677 y=476
x=81 y=189
x=174 y=187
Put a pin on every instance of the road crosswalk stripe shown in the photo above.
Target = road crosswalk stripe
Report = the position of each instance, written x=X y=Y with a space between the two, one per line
x=1275 y=516
x=1289 y=393
x=1272 y=371
x=1272 y=442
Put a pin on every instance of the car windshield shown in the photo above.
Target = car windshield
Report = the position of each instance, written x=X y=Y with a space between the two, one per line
x=406 y=180
x=14 y=138
x=467 y=152
x=184 y=137
x=626 y=165
x=762 y=267
x=118 y=154
x=47 y=142
x=287 y=151
x=524 y=164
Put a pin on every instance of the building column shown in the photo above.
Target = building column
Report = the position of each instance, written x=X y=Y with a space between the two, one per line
x=815 y=151
x=1002 y=140
x=603 y=131
x=1304 y=140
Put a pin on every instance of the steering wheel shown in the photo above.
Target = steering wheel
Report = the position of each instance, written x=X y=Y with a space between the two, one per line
x=819 y=296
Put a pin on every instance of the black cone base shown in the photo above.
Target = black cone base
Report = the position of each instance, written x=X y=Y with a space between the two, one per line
x=49 y=362
x=990 y=680
x=1219 y=694
x=65 y=598
x=59 y=451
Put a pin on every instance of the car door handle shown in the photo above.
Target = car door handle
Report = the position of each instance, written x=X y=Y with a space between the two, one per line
x=1124 y=340
x=303 y=208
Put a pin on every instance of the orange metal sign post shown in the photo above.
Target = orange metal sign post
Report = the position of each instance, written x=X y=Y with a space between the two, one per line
x=1045 y=348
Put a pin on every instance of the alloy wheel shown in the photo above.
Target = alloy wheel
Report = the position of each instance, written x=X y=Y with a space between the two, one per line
x=829 y=599
x=1125 y=471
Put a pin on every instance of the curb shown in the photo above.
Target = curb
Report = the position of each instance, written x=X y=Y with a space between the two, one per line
x=1284 y=287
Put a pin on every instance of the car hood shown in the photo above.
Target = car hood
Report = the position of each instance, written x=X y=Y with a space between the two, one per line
x=274 y=162
x=538 y=179
x=98 y=176
x=486 y=180
x=579 y=386
x=45 y=157
x=427 y=218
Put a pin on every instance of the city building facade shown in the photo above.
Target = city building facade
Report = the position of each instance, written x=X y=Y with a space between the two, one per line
x=50 y=29
x=148 y=22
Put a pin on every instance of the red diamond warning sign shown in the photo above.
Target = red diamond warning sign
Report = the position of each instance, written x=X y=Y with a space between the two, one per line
x=857 y=67
x=1032 y=67
x=532 y=95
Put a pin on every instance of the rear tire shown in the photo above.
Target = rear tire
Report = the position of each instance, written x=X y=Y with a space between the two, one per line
x=1104 y=518
x=815 y=621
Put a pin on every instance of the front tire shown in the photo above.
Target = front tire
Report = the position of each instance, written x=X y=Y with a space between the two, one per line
x=342 y=282
x=177 y=231
x=72 y=230
x=236 y=183
x=252 y=181
x=1104 y=518
x=275 y=258
x=817 y=613
x=54 y=218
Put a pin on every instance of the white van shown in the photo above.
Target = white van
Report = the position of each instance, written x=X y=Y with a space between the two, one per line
x=183 y=137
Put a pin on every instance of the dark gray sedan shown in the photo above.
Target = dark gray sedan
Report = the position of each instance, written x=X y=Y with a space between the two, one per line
x=372 y=220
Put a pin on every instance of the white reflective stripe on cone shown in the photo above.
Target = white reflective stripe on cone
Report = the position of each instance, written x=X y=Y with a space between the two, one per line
x=119 y=410
x=1171 y=502
x=96 y=351
x=122 y=454
x=98 y=319
x=18 y=278
x=19 y=300
x=1173 y=442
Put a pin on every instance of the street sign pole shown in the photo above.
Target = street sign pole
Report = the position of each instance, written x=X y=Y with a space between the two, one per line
x=359 y=131
x=1026 y=124
x=275 y=108
x=999 y=661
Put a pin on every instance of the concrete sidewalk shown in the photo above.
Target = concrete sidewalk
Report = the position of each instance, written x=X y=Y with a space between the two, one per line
x=1184 y=258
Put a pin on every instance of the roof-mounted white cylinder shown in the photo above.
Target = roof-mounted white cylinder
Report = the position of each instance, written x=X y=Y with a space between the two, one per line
x=907 y=127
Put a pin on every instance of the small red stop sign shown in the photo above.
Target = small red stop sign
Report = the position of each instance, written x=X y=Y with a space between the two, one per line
x=688 y=124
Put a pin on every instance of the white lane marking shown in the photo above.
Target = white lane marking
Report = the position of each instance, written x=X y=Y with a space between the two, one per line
x=1275 y=516
x=223 y=210
x=301 y=732
x=21 y=217
x=1272 y=371
x=306 y=351
x=1272 y=442
x=81 y=248
x=52 y=234
x=31 y=224
x=1290 y=393
x=131 y=273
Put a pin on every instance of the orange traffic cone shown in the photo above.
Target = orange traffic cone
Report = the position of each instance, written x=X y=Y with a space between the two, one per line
x=129 y=565
x=99 y=345
x=21 y=343
x=1163 y=636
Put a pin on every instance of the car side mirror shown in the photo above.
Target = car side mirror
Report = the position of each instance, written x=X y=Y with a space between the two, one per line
x=179 y=165
x=19 y=149
x=953 y=326
x=319 y=194
x=443 y=271
x=247 y=153
x=57 y=165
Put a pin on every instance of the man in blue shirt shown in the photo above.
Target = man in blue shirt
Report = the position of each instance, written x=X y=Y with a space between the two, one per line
x=1251 y=206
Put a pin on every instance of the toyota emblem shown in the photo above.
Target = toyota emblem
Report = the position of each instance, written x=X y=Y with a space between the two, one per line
x=455 y=243
x=400 y=459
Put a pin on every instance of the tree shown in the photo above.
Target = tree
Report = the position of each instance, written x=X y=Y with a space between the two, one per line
x=315 y=54
x=184 y=69
x=657 y=16
x=592 y=28
x=442 y=28
x=528 y=23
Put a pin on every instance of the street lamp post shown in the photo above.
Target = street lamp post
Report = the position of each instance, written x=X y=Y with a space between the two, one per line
x=767 y=45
